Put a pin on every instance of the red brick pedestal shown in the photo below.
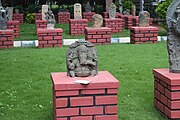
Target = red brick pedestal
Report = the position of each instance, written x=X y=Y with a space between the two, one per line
x=167 y=93
x=63 y=17
x=105 y=14
x=96 y=101
x=76 y=27
x=128 y=21
x=18 y=17
x=140 y=35
x=98 y=36
x=88 y=15
x=41 y=24
x=114 y=24
x=6 y=39
x=38 y=16
x=123 y=19
x=135 y=21
x=14 y=25
x=50 y=38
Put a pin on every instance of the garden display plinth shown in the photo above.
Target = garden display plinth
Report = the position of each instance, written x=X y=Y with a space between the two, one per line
x=41 y=24
x=76 y=27
x=98 y=36
x=128 y=21
x=48 y=38
x=96 y=101
x=6 y=39
x=18 y=17
x=135 y=21
x=38 y=16
x=88 y=15
x=167 y=93
x=14 y=25
x=114 y=24
x=63 y=17
x=139 y=35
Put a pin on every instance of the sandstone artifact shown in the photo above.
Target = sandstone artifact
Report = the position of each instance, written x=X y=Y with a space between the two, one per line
x=88 y=7
x=144 y=19
x=173 y=41
x=9 y=11
x=77 y=11
x=3 y=18
x=16 y=11
x=133 y=10
x=44 y=10
x=50 y=19
x=82 y=59
x=97 y=21
x=112 y=11
x=108 y=2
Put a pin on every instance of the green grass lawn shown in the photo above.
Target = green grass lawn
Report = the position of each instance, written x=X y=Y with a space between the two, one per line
x=26 y=88
x=28 y=32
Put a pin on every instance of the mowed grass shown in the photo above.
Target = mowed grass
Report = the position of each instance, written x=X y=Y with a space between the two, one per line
x=26 y=87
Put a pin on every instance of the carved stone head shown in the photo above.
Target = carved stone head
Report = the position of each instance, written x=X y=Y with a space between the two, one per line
x=77 y=11
x=97 y=20
x=112 y=11
x=144 y=19
x=81 y=59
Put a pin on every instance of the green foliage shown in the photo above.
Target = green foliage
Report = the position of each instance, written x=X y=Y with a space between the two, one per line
x=20 y=8
x=127 y=4
x=30 y=18
x=98 y=9
x=33 y=8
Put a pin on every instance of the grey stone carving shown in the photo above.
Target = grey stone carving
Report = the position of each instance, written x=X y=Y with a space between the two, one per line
x=97 y=20
x=112 y=11
x=144 y=19
x=127 y=12
x=173 y=38
x=77 y=11
x=44 y=10
x=82 y=59
x=16 y=11
x=120 y=6
x=108 y=2
x=141 y=5
x=133 y=10
x=9 y=11
x=88 y=7
x=50 y=19
x=3 y=18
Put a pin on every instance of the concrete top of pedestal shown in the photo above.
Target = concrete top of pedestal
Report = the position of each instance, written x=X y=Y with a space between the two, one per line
x=167 y=77
x=103 y=80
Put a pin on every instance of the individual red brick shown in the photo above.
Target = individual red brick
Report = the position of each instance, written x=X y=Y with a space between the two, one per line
x=112 y=91
x=174 y=104
x=106 y=117
x=91 y=92
x=101 y=40
x=111 y=110
x=161 y=88
x=160 y=106
x=67 y=112
x=157 y=94
x=106 y=100
x=61 y=119
x=164 y=100
x=81 y=118
x=172 y=95
x=61 y=102
x=91 y=110
x=81 y=101
x=67 y=93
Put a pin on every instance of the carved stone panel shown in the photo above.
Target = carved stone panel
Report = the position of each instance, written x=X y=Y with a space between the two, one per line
x=9 y=11
x=3 y=18
x=97 y=20
x=144 y=19
x=77 y=11
x=112 y=11
x=173 y=41
x=88 y=7
x=44 y=10
x=82 y=59
x=50 y=19
x=133 y=10
x=108 y=2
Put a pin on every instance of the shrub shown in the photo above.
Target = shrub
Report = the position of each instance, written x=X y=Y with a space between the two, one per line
x=33 y=8
x=30 y=18
x=127 y=4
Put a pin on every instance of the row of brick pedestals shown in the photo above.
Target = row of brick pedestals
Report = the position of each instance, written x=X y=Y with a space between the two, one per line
x=14 y=25
x=96 y=101
x=63 y=17
x=88 y=15
x=18 y=17
x=49 y=38
x=114 y=24
x=140 y=35
x=6 y=39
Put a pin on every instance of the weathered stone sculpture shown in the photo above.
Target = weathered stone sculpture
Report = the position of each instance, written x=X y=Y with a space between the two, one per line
x=112 y=11
x=82 y=59
x=133 y=10
x=88 y=7
x=77 y=11
x=127 y=12
x=173 y=41
x=44 y=10
x=50 y=19
x=9 y=11
x=97 y=20
x=108 y=2
x=3 y=18
x=120 y=6
x=144 y=19
x=141 y=5
x=16 y=11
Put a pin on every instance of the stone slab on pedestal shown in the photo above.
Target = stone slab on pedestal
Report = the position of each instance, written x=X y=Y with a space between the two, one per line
x=63 y=17
x=128 y=21
x=48 y=38
x=135 y=21
x=96 y=101
x=77 y=26
x=41 y=24
x=18 y=17
x=114 y=24
x=139 y=35
x=14 y=25
x=167 y=93
x=98 y=36
x=6 y=39
x=88 y=15
x=38 y=16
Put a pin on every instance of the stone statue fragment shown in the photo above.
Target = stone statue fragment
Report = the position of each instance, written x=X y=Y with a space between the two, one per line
x=44 y=10
x=50 y=19
x=126 y=12
x=9 y=11
x=108 y=2
x=133 y=10
x=97 y=21
x=88 y=7
x=82 y=59
x=141 y=5
x=144 y=19
x=77 y=11
x=16 y=11
x=3 y=18
x=112 y=11
x=173 y=38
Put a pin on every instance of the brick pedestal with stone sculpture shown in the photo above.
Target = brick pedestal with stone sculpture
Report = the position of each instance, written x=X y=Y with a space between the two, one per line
x=14 y=25
x=38 y=16
x=128 y=21
x=76 y=27
x=114 y=24
x=167 y=93
x=63 y=17
x=18 y=17
x=135 y=21
x=49 y=38
x=98 y=36
x=6 y=39
x=139 y=35
x=96 y=101
x=88 y=15
x=41 y=24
